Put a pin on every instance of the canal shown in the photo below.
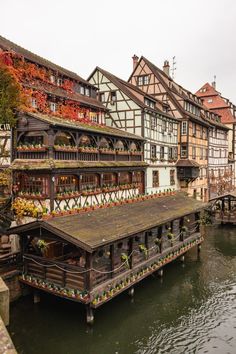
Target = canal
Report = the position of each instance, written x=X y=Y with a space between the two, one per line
x=191 y=310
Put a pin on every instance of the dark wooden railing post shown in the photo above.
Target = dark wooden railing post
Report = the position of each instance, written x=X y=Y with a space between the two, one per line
x=112 y=260
x=88 y=274
x=197 y=221
x=181 y=224
x=52 y=191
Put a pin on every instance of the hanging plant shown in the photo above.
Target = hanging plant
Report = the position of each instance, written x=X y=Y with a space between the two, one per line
x=125 y=258
x=42 y=245
x=143 y=249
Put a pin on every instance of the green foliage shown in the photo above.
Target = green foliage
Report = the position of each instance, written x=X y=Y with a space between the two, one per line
x=10 y=97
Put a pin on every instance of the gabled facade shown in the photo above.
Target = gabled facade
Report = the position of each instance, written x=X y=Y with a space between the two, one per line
x=133 y=111
x=194 y=125
x=222 y=106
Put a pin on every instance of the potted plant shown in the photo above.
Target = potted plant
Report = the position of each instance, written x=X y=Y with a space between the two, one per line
x=143 y=249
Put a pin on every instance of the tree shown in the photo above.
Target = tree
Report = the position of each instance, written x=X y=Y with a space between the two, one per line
x=10 y=96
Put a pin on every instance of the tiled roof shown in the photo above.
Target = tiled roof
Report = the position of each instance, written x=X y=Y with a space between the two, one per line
x=50 y=164
x=103 y=226
x=187 y=163
x=69 y=123
x=225 y=114
x=206 y=90
x=127 y=88
x=5 y=44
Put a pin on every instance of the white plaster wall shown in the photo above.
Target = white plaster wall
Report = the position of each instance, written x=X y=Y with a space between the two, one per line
x=164 y=179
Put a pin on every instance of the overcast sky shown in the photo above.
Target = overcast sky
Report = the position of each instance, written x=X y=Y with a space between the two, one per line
x=80 y=35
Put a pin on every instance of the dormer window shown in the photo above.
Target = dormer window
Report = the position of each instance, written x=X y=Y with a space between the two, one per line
x=52 y=106
x=149 y=103
x=210 y=100
x=52 y=79
x=59 y=81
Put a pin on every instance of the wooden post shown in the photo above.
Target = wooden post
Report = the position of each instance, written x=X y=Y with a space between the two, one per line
x=88 y=274
x=112 y=259
x=160 y=237
x=197 y=219
x=146 y=242
x=52 y=191
x=130 y=252
x=181 y=224
x=51 y=137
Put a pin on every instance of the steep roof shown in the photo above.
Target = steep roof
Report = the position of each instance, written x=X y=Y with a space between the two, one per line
x=5 y=44
x=216 y=103
x=127 y=88
x=69 y=123
x=103 y=226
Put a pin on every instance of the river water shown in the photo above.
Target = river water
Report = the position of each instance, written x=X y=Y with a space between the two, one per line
x=191 y=310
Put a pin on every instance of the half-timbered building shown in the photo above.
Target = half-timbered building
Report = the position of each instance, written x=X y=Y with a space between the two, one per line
x=193 y=129
x=131 y=110
x=224 y=108
x=64 y=156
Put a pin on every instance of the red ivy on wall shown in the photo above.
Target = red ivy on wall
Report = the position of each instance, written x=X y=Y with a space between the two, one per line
x=30 y=73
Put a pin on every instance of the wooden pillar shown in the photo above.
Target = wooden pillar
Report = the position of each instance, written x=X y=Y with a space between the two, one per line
x=52 y=191
x=112 y=247
x=160 y=237
x=130 y=252
x=197 y=218
x=88 y=274
x=51 y=137
x=181 y=224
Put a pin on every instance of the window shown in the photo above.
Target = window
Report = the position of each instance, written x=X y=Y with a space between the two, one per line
x=201 y=153
x=52 y=79
x=33 y=102
x=87 y=91
x=82 y=90
x=155 y=178
x=143 y=80
x=124 y=177
x=171 y=153
x=89 y=181
x=162 y=152
x=184 y=128
x=52 y=106
x=194 y=152
x=153 y=122
x=172 y=177
x=102 y=97
x=170 y=127
x=163 y=126
x=210 y=100
x=109 y=179
x=59 y=81
x=194 y=129
x=183 y=151
x=153 y=151
x=201 y=132
x=33 y=184
x=137 y=177
x=149 y=103
x=66 y=184
x=113 y=96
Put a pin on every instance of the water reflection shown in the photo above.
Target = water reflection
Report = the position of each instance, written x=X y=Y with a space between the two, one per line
x=192 y=310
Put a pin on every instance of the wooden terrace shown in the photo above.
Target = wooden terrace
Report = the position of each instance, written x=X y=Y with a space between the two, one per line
x=93 y=257
x=224 y=208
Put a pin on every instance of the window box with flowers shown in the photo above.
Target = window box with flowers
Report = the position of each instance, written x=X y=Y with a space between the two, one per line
x=67 y=195
x=107 y=151
x=35 y=196
x=122 y=152
x=29 y=148
x=68 y=148
x=88 y=149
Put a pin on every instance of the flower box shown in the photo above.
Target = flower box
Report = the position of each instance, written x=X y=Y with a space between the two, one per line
x=107 y=152
x=65 y=148
x=139 y=153
x=122 y=152
x=31 y=149
x=88 y=150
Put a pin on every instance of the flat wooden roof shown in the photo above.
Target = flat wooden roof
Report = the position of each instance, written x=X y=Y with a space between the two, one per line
x=103 y=226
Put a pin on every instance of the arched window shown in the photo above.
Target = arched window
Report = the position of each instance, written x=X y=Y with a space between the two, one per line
x=133 y=147
x=33 y=139
x=104 y=143
x=84 y=140
x=64 y=139
x=119 y=145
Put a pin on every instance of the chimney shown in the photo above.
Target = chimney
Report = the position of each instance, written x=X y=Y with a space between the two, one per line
x=135 y=61
x=166 y=68
x=213 y=84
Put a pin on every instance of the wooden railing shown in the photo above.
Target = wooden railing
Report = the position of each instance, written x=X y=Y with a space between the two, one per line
x=55 y=272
